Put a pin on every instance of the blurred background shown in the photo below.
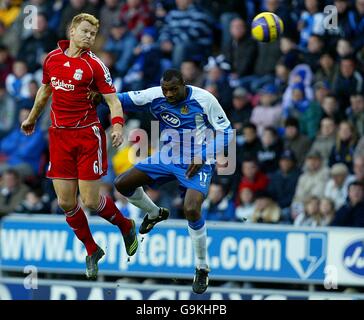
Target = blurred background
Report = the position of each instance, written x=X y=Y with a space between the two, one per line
x=287 y=224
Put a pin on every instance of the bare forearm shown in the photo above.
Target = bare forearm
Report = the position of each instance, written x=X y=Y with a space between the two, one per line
x=115 y=109
x=41 y=99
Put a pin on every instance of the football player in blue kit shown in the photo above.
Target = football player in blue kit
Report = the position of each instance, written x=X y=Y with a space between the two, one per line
x=186 y=110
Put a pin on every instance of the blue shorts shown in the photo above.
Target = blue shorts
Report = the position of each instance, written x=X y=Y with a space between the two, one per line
x=163 y=173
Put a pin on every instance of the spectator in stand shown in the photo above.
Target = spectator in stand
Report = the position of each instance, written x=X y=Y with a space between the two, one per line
x=266 y=210
x=343 y=24
x=73 y=8
x=327 y=70
x=295 y=141
x=355 y=113
x=137 y=15
x=8 y=112
x=301 y=73
x=12 y=191
x=298 y=103
x=311 y=22
x=359 y=167
x=216 y=75
x=351 y=214
x=17 y=83
x=121 y=43
x=359 y=150
x=226 y=11
x=344 y=48
x=327 y=211
x=42 y=40
x=291 y=56
x=282 y=10
x=281 y=76
x=264 y=68
x=311 y=182
x=6 y=64
x=251 y=145
x=331 y=109
x=187 y=33
x=325 y=140
x=268 y=112
x=336 y=188
x=109 y=13
x=252 y=177
x=356 y=25
x=33 y=203
x=314 y=50
x=8 y=12
x=310 y=119
x=192 y=73
x=311 y=217
x=217 y=206
x=245 y=207
x=22 y=152
x=348 y=81
x=146 y=69
x=268 y=156
x=241 y=50
x=283 y=182
x=343 y=150
x=241 y=109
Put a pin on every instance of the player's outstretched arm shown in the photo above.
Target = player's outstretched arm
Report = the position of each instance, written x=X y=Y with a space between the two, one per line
x=41 y=99
x=117 y=119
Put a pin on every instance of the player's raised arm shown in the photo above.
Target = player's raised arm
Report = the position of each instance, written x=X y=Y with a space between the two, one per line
x=41 y=99
x=117 y=118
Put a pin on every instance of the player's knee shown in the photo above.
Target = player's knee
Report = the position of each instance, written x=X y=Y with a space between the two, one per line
x=121 y=185
x=192 y=211
x=67 y=204
x=91 y=204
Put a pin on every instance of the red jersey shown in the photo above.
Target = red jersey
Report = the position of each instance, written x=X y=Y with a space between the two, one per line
x=71 y=79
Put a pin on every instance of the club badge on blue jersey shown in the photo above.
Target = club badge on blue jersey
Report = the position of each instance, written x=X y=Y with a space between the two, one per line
x=184 y=110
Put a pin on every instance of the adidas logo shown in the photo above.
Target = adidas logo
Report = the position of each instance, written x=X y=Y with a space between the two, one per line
x=67 y=64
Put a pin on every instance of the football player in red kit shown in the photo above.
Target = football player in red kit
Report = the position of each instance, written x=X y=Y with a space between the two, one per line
x=77 y=142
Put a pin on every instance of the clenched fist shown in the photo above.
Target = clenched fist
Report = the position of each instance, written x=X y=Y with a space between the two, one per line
x=117 y=135
x=28 y=126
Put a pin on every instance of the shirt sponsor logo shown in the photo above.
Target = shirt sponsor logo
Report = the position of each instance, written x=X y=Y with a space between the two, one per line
x=170 y=119
x=354 y=257
x=62 y=85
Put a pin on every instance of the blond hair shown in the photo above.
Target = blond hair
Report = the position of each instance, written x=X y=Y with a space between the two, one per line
x=84 y=17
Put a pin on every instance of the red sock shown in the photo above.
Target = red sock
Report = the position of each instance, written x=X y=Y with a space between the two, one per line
x=108 y=210
x=77 y=220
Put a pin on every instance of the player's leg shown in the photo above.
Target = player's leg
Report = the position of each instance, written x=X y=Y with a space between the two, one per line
x=105 y=207
x=129 y=184
x=66 y=191
x=197 y=230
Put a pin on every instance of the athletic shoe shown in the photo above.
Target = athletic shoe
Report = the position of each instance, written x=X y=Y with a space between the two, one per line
x=131 y=240
x=91 y=263
x=200 y=280
x=148 y=224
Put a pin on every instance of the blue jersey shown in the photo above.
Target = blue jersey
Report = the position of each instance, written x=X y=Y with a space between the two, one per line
x=189 y=119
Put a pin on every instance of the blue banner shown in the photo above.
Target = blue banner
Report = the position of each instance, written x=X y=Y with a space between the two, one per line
x=272 y=253
x=14 y=289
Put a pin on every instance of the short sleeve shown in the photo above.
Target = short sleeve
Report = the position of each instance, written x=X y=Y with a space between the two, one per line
x=46 y=79
x=102 y=76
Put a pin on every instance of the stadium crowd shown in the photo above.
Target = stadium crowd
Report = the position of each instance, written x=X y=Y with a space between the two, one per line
x=297 y=104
